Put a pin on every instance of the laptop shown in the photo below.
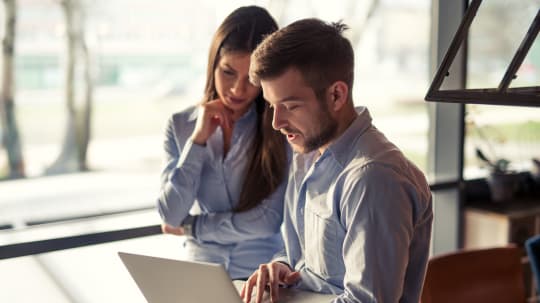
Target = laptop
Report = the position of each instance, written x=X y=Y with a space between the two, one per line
x=166 y=280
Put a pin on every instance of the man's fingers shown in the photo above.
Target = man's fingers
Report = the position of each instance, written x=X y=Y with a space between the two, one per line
x=292 y=278
x=248 y=287
x=273 y=274
x=243 y=291
x=262 y=278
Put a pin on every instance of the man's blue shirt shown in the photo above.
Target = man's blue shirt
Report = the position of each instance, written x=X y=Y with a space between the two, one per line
x=357 y=219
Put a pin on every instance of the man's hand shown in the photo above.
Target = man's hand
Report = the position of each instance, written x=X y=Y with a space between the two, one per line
x=168 y=229
x=272 y=274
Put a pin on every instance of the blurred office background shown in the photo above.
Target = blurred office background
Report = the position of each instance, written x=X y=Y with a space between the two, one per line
x=146 y=60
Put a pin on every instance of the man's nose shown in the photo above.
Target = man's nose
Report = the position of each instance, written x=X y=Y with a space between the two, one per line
x=278 y=120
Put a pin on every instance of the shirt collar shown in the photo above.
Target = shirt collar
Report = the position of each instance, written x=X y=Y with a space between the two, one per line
x=194 y=114
x=340 y=148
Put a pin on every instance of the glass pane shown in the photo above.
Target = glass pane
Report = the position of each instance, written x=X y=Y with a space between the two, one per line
x=501 y=132
x=494 y=36
x=148 y=65
x=529 y=71
x=392 y=74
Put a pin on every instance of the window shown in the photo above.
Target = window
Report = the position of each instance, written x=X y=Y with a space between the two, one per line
x=148 y=60
x=147 y=66
x=512 y=133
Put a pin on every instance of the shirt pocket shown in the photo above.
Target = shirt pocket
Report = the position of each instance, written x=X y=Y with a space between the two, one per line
x=323 y=248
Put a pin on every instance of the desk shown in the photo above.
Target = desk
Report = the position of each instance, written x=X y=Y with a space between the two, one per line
x=86 y=274
x=94 y=274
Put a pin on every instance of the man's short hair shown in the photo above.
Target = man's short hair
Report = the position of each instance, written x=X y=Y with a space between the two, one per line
x=317 y=49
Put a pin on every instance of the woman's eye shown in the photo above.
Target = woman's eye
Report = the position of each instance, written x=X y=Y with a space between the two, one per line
x=228 y=72
x=291 y=107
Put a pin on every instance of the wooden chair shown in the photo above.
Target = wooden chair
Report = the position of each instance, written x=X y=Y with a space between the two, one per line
x=492 y=275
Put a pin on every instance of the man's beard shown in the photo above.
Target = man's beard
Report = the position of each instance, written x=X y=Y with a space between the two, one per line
x=326 y=133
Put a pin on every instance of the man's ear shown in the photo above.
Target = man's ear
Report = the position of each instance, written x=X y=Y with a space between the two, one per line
x=338 y=94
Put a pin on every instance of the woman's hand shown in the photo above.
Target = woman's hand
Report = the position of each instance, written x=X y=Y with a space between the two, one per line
x=168 y=229
x=211 y=115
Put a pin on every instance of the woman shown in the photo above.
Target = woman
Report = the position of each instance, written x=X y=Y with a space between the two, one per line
x=224 y=157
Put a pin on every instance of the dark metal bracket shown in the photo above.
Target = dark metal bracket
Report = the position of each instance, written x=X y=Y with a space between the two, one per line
x=503 y=95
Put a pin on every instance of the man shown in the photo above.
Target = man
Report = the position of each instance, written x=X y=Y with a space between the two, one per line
x=358 y=214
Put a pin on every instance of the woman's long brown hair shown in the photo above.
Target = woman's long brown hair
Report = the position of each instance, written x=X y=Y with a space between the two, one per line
x=242 y=31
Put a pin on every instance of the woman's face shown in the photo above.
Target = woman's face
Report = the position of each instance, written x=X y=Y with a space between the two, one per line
x=232 y=82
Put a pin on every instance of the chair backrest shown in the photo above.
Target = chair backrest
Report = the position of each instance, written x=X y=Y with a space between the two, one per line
x=493 y=275
x=533 y=252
